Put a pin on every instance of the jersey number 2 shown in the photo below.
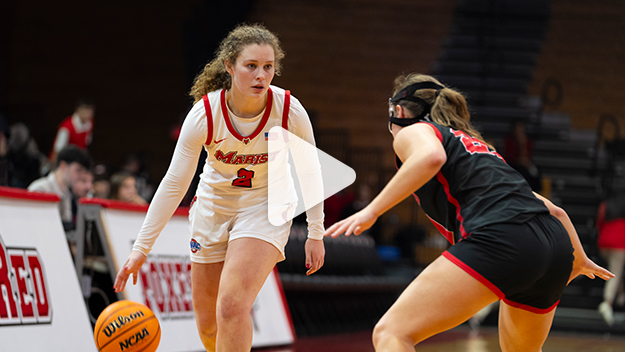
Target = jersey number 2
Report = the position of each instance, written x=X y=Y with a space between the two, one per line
x=244 y=179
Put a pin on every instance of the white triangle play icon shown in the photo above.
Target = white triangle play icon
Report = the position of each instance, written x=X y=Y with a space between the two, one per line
x=300 y=176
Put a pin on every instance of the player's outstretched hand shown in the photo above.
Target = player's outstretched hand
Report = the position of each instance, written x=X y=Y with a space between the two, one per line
x=355 y=224
x=315 y=254
x=132 y=266
x=590 y=269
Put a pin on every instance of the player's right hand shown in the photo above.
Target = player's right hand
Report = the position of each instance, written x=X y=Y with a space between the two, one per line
x=354 y=224
x=132 y=266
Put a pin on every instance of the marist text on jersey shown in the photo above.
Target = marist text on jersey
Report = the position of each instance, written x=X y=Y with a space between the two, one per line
x=234 y=158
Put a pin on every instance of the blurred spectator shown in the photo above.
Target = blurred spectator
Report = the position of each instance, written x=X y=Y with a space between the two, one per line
x=518 y=152
x=611 y=243
x=72 y=164
x=76 y=129
x=24 y=156
x=4 y=152
x=101 y=183
x=83 y=187
x=123 y=188
x=135 y=165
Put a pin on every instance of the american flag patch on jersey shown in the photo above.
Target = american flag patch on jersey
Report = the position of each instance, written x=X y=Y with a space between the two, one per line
x=271 y=136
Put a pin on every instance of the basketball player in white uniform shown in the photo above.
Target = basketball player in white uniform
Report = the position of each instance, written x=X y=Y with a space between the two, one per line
x=233 y=245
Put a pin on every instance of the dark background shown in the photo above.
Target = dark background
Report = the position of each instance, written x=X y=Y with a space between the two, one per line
x=137 y=61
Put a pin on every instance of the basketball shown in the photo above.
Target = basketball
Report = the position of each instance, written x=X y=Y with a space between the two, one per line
x=127 y=326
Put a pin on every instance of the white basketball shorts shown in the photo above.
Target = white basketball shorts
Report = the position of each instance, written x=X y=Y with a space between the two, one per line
x=211 y=231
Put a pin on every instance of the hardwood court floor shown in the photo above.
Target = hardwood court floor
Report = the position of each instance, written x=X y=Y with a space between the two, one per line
x=458 y=339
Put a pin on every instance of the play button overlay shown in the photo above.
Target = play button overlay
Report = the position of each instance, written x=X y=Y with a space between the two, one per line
x=300 y=176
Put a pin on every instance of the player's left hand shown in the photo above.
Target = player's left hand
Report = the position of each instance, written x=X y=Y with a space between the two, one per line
x=355 y=224
x=315 y=254
x=131 y=267
x=587 y=267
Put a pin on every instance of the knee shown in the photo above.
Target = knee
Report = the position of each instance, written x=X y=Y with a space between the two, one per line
x=230 y=308
x=385 y=337
x=388 y=335
x=378 y=334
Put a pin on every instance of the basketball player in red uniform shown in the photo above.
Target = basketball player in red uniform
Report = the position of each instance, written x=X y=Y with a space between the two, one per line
x=508 y=243
x=233 y=246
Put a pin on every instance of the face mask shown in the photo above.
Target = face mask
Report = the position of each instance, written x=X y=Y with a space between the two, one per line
x=408 y=94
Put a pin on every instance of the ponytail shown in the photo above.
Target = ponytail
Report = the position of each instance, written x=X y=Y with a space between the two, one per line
x=448 y=106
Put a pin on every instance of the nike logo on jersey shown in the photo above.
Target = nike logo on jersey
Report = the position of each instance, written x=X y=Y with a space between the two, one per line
x=235 y=159
x=219 y=141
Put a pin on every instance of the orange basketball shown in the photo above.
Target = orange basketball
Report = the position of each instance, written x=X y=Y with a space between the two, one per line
x=127 y=326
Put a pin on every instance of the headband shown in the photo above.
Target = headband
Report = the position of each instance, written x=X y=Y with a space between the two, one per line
x=408 y=94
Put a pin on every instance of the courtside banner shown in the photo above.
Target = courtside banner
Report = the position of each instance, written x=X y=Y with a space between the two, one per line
x=164 y=282
x=41 y=303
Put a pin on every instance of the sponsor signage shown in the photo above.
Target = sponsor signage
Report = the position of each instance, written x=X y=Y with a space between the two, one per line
x=24 y=287
x=41 y=304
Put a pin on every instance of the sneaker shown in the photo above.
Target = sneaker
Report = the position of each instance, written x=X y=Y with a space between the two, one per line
x=606 y=312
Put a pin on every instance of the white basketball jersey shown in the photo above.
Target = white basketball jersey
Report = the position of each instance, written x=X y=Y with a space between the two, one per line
x=235 y=174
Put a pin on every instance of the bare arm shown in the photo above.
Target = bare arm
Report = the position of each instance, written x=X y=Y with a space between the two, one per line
x=423 y=156
x=582 y=265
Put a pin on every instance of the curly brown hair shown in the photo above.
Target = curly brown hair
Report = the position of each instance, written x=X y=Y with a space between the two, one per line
x=449 y=107
x=214 y=75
